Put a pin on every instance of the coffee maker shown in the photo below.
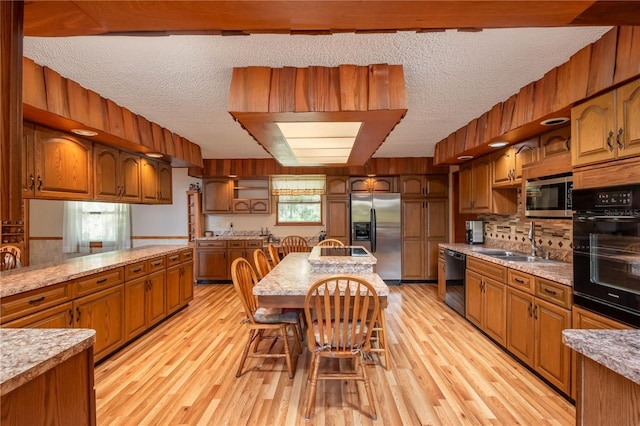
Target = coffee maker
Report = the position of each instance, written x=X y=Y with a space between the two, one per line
x=475 y=232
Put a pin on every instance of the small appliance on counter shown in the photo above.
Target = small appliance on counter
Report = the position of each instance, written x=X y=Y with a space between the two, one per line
x=475 y=232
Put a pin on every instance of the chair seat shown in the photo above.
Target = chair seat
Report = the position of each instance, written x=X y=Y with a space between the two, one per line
x=275 y=315
x=341 y=343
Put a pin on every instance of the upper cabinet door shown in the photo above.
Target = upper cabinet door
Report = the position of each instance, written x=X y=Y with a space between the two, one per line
x=130 y=169
x=412 y=185
x=592 y=125
x=149 y=180
x=62 y=166
x=165 y=191
x=217 y=195
x=628 y=122
x=107 y=185
x=337 y=186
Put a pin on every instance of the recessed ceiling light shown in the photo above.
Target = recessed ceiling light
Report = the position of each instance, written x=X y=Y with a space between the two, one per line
x=498 y=144
x=554 y=121
x=465 y=157
x=154 y=155
x=84 y=132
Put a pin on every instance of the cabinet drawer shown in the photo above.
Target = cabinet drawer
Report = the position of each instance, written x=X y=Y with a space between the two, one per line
x=157 y=264
x=253 y=244
x=100 y=281
x=235 y=244
x=135 y=270
x=488 y=269
x=186 y=255
x=553 y=292
x=22 y=304
x=173 y=259
x=521 y=280
x=212 y=244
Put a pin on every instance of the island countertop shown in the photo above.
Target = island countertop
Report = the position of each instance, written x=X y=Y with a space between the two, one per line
x=29 y=352
x=33 y=277
x=331 y=264
x=618 y=350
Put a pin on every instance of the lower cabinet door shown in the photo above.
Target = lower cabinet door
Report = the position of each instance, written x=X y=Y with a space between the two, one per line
x=520 y=325
x=156 y=309
x=134 y=307
x=495 y=321
x=473 y=298
x=186 y=295
x=174 y=275
x=212 y=264
x=103 y=311
x=553 y=358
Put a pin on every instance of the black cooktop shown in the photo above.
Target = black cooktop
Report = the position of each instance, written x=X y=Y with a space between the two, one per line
x=342 y=251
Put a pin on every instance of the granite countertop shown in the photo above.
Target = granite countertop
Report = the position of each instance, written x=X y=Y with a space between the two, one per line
x=293 y=277
x=30 y=352
x=232 y=237
x=560 y=272
x=33 y=277
x=316 y=258
x=618 y=350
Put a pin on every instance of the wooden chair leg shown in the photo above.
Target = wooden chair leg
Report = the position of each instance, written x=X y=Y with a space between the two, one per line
x=385 y=343
x=367 y=387
x=313 y=384
x=245 y=352
x=287 y=350
x=296 y=338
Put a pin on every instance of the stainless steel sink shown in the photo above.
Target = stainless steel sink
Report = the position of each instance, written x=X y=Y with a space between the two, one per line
x=510 y=256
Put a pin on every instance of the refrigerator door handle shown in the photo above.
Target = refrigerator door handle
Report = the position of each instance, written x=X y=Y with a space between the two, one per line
x=373 y=230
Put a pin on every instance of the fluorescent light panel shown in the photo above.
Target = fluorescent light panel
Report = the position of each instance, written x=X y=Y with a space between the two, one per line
x=321 y=141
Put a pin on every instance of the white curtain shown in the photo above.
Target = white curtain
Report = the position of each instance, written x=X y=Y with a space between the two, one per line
x=298 y=185
x=87 y=222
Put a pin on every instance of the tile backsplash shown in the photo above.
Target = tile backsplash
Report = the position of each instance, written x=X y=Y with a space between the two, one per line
x=511 y=232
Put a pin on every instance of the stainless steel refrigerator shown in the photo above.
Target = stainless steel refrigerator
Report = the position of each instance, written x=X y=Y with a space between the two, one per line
x=375 y=224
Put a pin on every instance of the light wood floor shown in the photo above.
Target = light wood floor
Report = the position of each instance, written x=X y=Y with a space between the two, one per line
x=444 y=372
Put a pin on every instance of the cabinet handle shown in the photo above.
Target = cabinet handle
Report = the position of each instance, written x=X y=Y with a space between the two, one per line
x=619 y=138
x=530 y=309
x=535 y=312
x=551 y=292
x=70 y=316
x=609 y=141
x=39 y=183
x=173 y=258
x=157 y=263
x=104 y=280
x=36 y=301
x=77 y=314
x=32 y=185
x=567 y=144
x=519 y=281
x=137 y=270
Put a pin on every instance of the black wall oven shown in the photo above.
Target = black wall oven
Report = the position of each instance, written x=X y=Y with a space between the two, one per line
x=606 y=251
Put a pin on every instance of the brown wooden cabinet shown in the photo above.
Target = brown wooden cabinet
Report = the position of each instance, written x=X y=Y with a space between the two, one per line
x=605 y=128
x=179 y=281
x=117 y=175
x=373 y=184
x=485 y=292
x=424 y=185
x=251 y=196
x=337 y=186
x=144 y=303
x=211 y=260
x=217 y=195
x=508 y=162
x=156 y=182
x=56 y=165
x=442 y=281
x=338 y=223
x=536 y=315
x=195 y=218
x=555 y=143
x=475 y=186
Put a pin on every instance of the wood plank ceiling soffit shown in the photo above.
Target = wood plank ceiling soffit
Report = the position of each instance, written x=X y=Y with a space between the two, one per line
x=72 y=18
x=375 y=95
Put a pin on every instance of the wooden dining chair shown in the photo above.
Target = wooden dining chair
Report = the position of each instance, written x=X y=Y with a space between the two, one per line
x=330 y=242
x=263 y=323
x=273 y=254
x=8 y=260
x=263 y=267
x=294 y=244
x=341 y=311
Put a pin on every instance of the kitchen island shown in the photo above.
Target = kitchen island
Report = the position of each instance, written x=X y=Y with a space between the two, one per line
x=46 y=376
x=608 y=376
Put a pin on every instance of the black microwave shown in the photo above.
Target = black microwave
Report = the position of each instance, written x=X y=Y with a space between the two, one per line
x=549 y=197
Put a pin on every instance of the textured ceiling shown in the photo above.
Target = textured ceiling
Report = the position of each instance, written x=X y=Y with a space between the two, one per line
x=182 y=82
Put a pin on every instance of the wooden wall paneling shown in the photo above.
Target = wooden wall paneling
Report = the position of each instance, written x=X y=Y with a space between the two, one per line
x=481 y=129
x=603 y=63
x=334 y=89
x=508 y=107
x=627 y=54
x=97 y=111
x=318 y=88
x=115 y=119
x=158 y=140
x=353 y=88
x=257 y=85
x=237 y=91
x=450 y=145
x=397 y=89
x=563 y=87
x=78 y=102
x=168 y=143
x=57 y=102
x=460 y=143
x=470 y=141
x=130 y=126
x=146 y=134
x=544 y=95
x=33 y=88
x=379 y=87
x=523 y=110
x=282 y=97
x=300 y=91
x=494 y=119
x=579 y=73
x=197 y=152
x=437 y=153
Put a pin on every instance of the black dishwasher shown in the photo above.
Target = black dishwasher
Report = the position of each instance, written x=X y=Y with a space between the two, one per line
x=454 y=271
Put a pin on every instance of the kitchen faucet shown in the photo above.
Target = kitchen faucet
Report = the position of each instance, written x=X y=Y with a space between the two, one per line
x=532 y=237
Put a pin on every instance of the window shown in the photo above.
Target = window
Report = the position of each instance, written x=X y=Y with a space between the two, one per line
x=108 y=224
x=298 y=199
x=299 y=209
